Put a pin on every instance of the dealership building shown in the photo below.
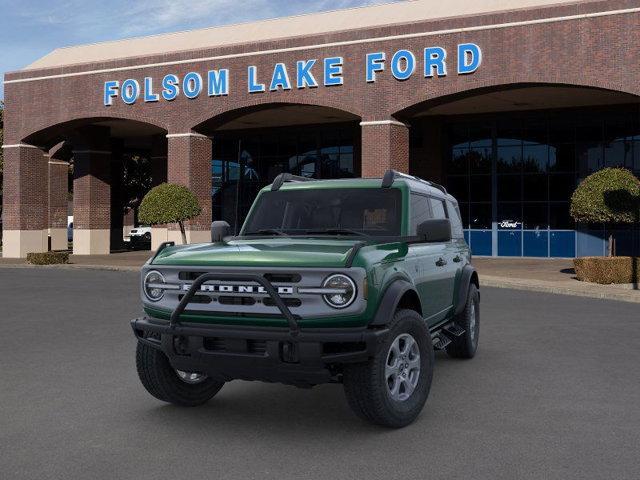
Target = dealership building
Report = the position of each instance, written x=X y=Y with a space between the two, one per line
x=507 y=103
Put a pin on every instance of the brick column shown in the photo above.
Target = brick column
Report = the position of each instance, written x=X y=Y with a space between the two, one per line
x=92 y=192
x=189 y=164
x=25 y=199
x=58 y=191
x=159 y=233
x=385 y=145
x=117 y=208
x=158 y=160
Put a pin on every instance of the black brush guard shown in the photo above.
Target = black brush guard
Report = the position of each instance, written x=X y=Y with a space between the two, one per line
x=174 y=320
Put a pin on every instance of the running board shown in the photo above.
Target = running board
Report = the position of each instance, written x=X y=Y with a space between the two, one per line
x=453 y=329
x=445 y=335
x=440 y=341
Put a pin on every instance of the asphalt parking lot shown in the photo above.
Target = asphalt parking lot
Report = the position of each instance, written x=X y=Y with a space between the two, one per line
x=554 y=392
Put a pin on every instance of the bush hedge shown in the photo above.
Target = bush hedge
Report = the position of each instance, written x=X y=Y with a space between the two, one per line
x=611 y=195
x=48 y=258
x=607 y=270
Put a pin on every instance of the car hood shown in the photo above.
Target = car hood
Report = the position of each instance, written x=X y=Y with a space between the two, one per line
x=271 y=252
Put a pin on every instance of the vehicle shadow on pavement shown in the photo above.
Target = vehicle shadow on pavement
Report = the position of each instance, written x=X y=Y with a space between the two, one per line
x=252 y=406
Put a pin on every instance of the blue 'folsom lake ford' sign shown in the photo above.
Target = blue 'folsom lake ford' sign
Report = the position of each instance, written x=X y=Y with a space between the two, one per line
x=310 y=73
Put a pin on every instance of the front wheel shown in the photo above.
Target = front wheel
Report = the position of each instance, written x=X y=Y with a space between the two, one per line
x=186 y=389
x=392 y=387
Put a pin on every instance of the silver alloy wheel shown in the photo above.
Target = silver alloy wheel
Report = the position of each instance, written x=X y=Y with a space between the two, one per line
x=402 y=368
x=472 y=321
x=191 y=377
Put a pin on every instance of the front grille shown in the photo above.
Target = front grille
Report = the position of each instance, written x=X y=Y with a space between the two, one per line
x=246 y=299
x=234 y=345
x=198 y=299
x=235 y=314
x=283 y=277
x=272 y=277
x=343 y=347
x=257 y=347
x=226 y=300
x=214 y=344
x=289 y=302
x=189 y=275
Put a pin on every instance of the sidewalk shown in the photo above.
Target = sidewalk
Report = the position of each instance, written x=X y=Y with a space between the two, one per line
x=125 y=261
x=547 y=275
x=538 y=275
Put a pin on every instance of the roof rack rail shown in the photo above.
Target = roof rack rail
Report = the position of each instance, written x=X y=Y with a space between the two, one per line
x=288 y=177
x=391 y=175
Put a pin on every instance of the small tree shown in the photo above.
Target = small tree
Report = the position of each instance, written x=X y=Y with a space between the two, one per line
x=611 y=195
x=169 y=203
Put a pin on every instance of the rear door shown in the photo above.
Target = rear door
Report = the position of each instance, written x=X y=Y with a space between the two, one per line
x=446 y=261
x=460 y=258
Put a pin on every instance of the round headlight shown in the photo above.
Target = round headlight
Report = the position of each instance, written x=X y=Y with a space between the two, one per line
x=344 y=291
x=153 y=285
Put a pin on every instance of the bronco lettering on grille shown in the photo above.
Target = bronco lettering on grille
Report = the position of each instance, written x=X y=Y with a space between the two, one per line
x=282 y=290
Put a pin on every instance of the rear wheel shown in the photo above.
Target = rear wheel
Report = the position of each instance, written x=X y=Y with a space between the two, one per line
x=187 y=389
x=465 y=345
x=392 y=387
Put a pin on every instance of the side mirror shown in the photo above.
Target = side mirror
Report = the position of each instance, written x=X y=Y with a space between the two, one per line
x=435 y=230
x=219 y=230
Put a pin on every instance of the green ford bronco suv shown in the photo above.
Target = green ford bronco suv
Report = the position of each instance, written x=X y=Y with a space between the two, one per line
x=352 y=281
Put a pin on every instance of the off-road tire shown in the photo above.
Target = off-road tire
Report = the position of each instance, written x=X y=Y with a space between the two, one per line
x=161 y=380
x=365 y=384
x=466 y=345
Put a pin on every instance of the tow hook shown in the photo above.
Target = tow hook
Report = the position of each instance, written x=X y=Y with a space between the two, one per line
x=289 y=352
x=181 y=345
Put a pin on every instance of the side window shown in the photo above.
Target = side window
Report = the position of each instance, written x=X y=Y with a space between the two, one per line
x=437 y=206
x=456 y=222
x=419 y=211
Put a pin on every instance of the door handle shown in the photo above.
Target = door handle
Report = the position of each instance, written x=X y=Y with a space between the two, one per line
x=441 y=262
x=457 y=259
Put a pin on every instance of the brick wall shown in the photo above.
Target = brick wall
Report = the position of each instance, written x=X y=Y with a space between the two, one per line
x=25 y=189
x=600 y=51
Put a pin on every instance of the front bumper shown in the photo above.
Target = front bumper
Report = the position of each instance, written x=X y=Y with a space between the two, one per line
x=310 y=357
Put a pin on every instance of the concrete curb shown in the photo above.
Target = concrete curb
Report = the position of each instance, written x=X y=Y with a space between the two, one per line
x=74 y=266
x=604 y=292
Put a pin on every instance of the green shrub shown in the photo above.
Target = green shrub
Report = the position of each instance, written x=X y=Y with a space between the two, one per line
x=169 y=203
x=611 y=195
x=48 y=258
x=607 y=270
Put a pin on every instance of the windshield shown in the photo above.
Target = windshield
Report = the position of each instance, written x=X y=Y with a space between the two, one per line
x=335 y=211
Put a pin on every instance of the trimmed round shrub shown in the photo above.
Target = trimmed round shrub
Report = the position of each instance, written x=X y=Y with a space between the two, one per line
x=611 y=195
x=169 y=203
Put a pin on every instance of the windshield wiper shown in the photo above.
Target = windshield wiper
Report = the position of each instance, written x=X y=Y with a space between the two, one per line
x=337 y=231
x=268 y=231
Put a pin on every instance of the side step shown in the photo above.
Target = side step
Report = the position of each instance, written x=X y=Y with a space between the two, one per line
x=453 y=329
x=441 y=341
x=445 y=335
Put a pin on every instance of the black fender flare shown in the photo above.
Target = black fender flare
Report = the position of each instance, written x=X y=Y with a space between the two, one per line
x=390 y=300
x=468 y=277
